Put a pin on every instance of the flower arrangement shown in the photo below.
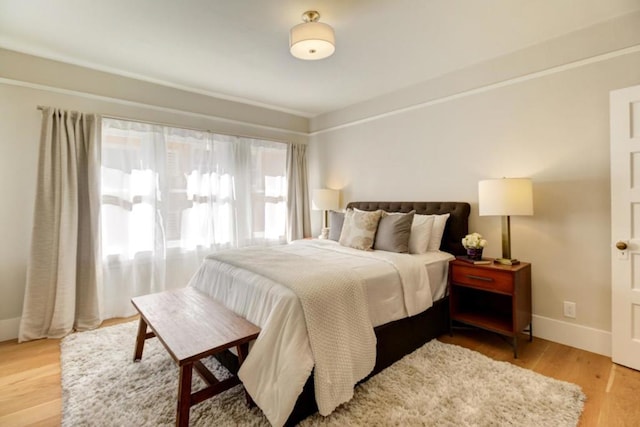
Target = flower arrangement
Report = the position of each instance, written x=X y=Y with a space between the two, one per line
x=473 y=241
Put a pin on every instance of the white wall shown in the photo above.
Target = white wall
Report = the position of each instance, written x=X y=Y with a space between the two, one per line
x=26 y=82
x=551 y=125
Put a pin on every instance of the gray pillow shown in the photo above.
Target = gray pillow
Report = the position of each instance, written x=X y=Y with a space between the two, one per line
x=394 y=232
x=336 y=220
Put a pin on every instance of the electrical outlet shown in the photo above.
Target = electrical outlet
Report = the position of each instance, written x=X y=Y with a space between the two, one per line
x=570 y=309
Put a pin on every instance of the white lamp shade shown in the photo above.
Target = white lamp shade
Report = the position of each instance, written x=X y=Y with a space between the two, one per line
x=325 y=200
x=312 y=40
x=506 y=196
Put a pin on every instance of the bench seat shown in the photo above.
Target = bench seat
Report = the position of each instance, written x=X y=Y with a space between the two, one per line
x=192 y=326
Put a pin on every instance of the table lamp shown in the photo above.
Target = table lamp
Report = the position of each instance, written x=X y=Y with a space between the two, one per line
x=325 y=200
x=505 y=197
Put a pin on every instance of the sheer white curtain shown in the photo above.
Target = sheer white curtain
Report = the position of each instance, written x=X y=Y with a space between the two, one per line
x=266 y=183
x=133 y=213
x=170 y=196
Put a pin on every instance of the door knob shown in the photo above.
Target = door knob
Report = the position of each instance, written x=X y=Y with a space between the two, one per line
x=621 y=245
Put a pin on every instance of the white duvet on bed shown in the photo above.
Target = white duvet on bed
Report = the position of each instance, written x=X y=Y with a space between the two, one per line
x=280 y=361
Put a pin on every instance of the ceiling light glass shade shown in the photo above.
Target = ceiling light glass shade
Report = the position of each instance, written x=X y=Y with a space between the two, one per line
x=312 y=40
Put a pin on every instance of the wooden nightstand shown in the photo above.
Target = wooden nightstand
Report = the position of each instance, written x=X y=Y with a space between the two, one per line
x=492 y=297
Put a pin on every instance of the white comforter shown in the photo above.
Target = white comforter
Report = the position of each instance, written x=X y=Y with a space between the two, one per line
x=281 y=359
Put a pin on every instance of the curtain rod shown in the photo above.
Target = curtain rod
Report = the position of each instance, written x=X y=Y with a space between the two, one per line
x=41 y=107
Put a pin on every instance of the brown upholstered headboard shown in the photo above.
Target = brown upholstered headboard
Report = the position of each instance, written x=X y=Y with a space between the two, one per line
x=457 y=225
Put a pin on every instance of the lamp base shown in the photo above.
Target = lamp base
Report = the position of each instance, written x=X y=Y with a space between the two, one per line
x=324 y=234
x=506 y=261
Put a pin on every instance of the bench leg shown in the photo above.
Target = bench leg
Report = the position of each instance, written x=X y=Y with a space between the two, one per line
x=140 y=339
x=184 y=395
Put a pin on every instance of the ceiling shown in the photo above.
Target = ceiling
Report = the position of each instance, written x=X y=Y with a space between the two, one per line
x=239 y=49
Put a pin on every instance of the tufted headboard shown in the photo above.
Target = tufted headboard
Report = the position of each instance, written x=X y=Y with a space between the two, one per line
x=457 y=225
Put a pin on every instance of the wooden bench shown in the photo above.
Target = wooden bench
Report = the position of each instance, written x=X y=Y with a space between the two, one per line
x=192 y=326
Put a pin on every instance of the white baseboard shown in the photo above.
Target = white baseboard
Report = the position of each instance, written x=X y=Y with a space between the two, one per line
x=9 y=329
x=571 y=334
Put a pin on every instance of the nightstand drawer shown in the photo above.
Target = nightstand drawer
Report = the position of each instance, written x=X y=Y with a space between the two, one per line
x=490 y=279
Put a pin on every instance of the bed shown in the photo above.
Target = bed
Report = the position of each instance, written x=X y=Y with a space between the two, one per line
x=395 y=333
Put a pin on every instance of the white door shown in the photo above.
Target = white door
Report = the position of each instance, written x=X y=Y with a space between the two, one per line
x=625 y=226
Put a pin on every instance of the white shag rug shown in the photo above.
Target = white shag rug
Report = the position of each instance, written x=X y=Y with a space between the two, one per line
x=437 y=385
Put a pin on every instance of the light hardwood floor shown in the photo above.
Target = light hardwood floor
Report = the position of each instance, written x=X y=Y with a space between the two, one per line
x=30 y=392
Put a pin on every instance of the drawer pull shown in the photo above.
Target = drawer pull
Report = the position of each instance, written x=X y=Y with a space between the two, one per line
x=485 y=279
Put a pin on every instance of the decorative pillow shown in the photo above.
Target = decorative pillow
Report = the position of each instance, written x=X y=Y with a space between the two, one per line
x=421 y=229
x=393 y=232
x=439 y=223
x=336 y=220
x=359 y=229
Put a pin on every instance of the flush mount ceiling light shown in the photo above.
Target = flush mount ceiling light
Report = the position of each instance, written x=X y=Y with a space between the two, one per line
x=312 y=40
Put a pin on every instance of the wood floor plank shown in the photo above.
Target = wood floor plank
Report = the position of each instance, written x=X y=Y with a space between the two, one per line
x=45 y=414
x=621 y=406
x=28 y=393
x=30 y=374
x=12 y=367
x=54 y=421
x=19 y=357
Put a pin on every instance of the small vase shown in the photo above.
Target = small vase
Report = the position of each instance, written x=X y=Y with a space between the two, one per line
x=474 y=253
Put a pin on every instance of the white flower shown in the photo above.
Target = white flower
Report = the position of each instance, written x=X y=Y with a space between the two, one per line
x=473 y=241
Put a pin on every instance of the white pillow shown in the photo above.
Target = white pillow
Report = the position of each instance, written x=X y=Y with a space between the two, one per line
x=421 y=232
x=440 y=221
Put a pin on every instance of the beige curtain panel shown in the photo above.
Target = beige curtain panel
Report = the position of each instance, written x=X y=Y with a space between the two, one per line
x=63 y=275
x=298 y=220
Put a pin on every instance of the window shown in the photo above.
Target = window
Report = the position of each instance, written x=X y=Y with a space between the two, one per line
x=168 y=190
